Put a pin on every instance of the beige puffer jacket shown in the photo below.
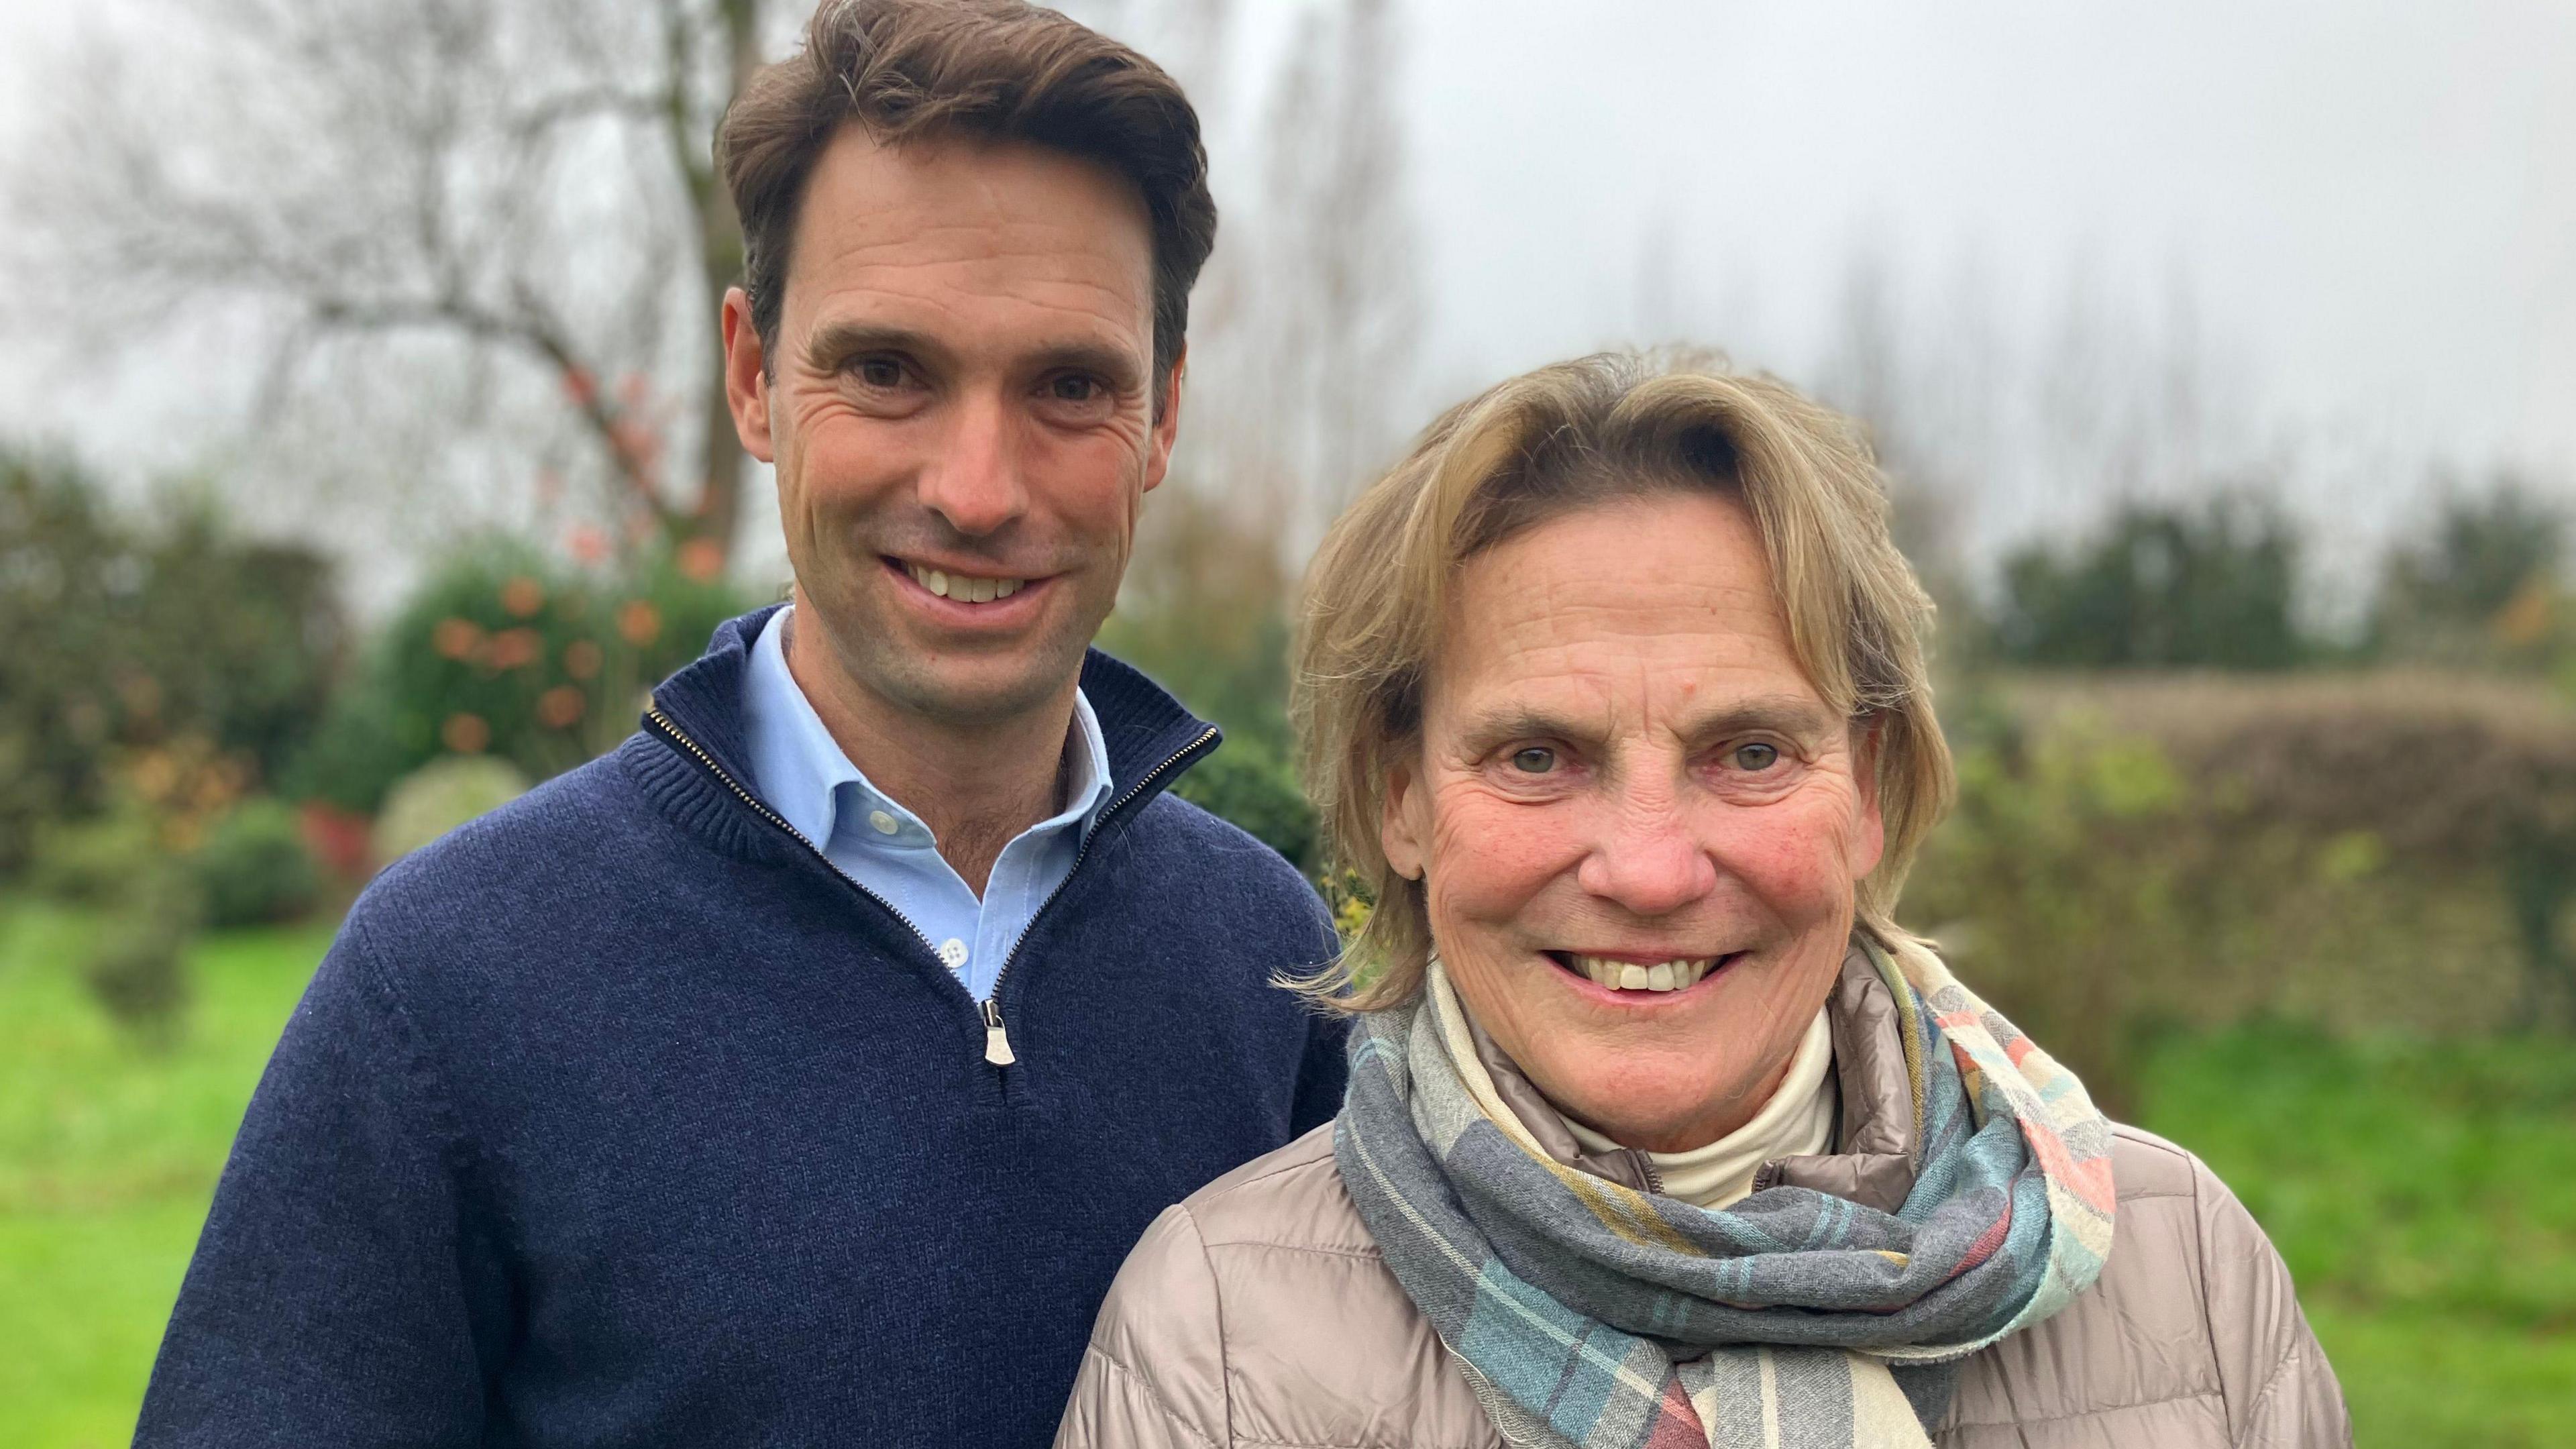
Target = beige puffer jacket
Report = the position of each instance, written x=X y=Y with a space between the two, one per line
x=1258 y=1312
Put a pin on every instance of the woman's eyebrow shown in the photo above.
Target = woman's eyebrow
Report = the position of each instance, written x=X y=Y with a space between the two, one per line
x=1784 y=714
x=1792 y=715
x=1520 y=722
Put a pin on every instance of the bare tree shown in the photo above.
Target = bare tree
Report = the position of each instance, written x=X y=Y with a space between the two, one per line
x=493 y=200
x=1304 y=331
x=505 y=213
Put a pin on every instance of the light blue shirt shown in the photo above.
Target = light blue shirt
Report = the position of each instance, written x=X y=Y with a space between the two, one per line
x=799 y=770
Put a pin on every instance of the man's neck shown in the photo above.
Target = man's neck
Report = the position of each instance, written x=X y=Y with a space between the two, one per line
x=976 y=788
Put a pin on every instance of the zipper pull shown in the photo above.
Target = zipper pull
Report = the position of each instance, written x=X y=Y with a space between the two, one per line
x=997 y=1042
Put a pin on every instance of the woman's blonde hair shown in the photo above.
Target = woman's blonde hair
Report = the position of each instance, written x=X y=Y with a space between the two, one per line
x=1567 y=437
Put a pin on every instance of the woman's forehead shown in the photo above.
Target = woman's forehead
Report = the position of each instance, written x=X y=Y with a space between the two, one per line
x=1659 y=599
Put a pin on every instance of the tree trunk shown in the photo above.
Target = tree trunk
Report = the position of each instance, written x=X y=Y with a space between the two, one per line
x=718 y=512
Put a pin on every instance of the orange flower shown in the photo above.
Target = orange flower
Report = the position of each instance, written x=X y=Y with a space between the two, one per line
x=701 y=559
x=561 y=707
x=466 y=734
x=582 y=659
x=456 y=639
x=523 y=597
x=587 y=543
x=639 y=622
x=515 y=649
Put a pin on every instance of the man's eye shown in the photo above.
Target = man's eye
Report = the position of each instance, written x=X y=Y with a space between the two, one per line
x=1755 y=757
x=879 y=371
x=1536 y=760
x=1074 y=387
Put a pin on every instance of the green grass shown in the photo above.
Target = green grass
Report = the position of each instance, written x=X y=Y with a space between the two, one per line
x=108 y=1154
x=2425 y=1195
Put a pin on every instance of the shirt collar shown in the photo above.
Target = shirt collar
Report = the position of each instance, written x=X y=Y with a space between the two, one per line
x=802 y=774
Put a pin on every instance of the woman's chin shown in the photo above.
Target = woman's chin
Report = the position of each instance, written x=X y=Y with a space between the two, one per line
x=1657 y=1112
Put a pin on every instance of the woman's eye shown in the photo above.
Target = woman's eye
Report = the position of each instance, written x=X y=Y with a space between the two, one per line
x=1536 y=760
x=1755 y=757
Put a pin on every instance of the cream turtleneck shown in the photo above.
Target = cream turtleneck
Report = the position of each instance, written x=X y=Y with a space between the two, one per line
x=1797 y=1121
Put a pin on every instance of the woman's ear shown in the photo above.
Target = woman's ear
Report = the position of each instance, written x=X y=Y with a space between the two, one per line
x=1404 y=826
x=1869 y=827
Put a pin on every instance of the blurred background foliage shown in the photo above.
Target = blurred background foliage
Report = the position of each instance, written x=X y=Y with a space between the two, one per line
x=2302 y=899
x=2277 y=850
x=2299 y=897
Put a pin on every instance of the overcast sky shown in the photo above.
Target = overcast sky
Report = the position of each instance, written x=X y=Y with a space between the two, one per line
x=2369 y=207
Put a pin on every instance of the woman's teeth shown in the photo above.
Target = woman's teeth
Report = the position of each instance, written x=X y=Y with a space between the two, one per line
x=961 y=588
x=1629 y=976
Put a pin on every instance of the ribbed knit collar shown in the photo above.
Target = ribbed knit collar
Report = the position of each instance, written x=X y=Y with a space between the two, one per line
x=1151 y=739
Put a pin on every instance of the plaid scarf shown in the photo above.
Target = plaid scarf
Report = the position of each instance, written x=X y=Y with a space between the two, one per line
x=1589 y=1314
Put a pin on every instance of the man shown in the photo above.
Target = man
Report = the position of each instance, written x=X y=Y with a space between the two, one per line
x=801 y=1072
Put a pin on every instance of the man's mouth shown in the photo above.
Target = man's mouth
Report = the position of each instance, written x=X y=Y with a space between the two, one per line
x=1619 y=974
x=960 y=588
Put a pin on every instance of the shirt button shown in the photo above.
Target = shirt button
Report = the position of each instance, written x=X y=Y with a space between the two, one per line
x=885 y=824
x=953 y=951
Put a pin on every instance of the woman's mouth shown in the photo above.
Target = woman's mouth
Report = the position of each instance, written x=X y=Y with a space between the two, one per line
x=1621 y=974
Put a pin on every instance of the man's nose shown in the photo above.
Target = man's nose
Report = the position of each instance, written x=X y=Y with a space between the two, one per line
x=975 y=483
x=1648 y=863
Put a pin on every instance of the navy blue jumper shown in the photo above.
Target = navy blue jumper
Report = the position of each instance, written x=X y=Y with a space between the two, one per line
x=620 y=1117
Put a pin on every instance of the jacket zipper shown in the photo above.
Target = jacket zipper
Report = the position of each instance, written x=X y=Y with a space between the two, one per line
x=997 y=1041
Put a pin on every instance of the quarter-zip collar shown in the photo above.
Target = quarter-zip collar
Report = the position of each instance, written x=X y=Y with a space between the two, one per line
x=1151 y=741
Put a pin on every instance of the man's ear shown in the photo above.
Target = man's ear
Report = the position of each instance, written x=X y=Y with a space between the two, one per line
x=746 y=377
x=1167 y=423
x=1404 y=823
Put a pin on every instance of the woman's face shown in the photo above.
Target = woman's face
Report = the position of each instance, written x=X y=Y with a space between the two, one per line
x=1639 y=825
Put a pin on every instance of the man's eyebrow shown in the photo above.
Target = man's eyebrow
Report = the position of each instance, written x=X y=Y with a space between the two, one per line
x=834 y=343
x=1114 y=365
x=837 y=342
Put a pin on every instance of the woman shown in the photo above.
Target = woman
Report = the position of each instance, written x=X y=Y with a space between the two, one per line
x=1660 y=1132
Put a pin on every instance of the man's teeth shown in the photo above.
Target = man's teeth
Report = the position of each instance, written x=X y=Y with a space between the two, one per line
x=963 y=589
x=1629 y=976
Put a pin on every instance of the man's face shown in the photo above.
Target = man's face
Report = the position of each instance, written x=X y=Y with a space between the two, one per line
x=960 y=405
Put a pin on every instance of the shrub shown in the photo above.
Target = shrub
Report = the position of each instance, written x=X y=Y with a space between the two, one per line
x=502 y=653
x=2159 y=587
x=118 y=867
x=438 y=797
x=253 y=868
x=2358 y=853
x=2479 y=583
x=137 y=970
x=128 y=638
x=2051 y=889
x=1203 y=611
x=1254 y=789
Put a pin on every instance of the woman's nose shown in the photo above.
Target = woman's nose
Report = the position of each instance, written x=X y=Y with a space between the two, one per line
x=976 y=483
x=1650 y=864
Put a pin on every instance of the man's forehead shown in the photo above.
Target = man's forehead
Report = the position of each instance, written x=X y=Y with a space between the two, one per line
x=953 y=221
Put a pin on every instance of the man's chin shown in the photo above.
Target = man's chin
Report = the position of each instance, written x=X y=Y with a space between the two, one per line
x=973 y=688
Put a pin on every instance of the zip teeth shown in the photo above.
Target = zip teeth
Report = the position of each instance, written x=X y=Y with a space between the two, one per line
x=1678 y=975
x=963 y=589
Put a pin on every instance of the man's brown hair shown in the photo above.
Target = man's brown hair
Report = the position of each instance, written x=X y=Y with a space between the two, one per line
x=988 y=70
